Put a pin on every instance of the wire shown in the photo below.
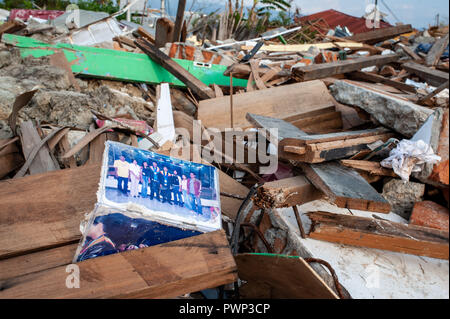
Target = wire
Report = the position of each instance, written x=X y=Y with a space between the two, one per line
x=390 y=11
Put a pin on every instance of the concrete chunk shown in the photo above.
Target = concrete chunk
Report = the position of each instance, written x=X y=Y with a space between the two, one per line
x=398 y=114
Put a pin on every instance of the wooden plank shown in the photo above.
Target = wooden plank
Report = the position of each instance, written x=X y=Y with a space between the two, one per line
x=320 y=71
x=164 y=32
x=378 y=35
x=179 y=20
x=286 y=192
x=340 y=136
x=254 y=65
x=147 y=36
x=293 y=149
x=280 y=277
x=429 y=96
x=60 y=61
x=96 y=149
x=434 y=55
x=198 y=87
x=153 y=272
x=373 y=168
x=11 y=26
x=331 y=121
x=10 y=162
x=30 y=139
x=38 y=261
x=379 y=234
x=285 y=129
x=305 y=47
x=345 y=187
x=410 y=52
x=433 y=77
x=295 y=99
x=358 y=75
x=45 y=210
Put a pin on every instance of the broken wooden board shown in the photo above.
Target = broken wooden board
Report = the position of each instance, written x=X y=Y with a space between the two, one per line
x=280 y=277
x=11 y=26
x=373 y=168
x=434 y=55
x=431 y=76
x=378 y=35
x=320 y=71
x=45 y=210
x=30 y=139
x=379 y=234
x=164 y=32
x=286 y=192
x=358 y=75
x=305 y=47
x=198 y=87
x=345 y=187
x=328 y=147
x=316 y=124
x=278 y=102
x=153 y=272
x=285 y=129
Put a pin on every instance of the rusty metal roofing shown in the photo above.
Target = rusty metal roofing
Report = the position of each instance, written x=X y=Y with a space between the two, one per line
x=334 y=18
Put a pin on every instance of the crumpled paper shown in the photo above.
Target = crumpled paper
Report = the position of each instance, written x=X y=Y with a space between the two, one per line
x=410 y=157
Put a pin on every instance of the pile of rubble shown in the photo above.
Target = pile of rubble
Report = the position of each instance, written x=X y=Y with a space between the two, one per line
x=361 y=183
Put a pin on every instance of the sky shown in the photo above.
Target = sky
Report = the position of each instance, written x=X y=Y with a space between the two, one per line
x=419 y=13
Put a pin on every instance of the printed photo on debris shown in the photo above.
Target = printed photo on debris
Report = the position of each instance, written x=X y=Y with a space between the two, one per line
x=174 y=191
x=110 y=231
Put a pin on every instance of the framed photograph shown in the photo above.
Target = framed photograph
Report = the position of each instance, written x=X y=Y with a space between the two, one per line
x=166 y=189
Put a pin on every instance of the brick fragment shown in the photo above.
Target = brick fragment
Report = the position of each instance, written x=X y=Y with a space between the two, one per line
x=430 y=214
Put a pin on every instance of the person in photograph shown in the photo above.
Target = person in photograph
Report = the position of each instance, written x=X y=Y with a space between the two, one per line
x=175 y=187
x=146 y=179
x=165 y=185
x=194 y=189
x=122 y=171
x=135 y=177
x=98 y=244
x=154 y=178
x=184 y=191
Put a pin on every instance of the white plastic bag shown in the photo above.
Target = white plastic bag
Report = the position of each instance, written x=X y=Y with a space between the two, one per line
x=410 y=157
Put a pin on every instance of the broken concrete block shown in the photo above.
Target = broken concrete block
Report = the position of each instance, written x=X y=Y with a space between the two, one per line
x=396 y=113
x=403 y=195
x=430 y=214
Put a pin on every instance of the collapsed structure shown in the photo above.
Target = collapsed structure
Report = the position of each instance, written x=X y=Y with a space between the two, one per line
x=357 y=206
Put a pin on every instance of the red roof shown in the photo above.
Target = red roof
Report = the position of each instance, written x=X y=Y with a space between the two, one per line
x=24 y=14
x=334 y=18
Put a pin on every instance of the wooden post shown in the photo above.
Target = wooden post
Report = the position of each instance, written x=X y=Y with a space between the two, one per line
x=179 y=20
x=231 y=99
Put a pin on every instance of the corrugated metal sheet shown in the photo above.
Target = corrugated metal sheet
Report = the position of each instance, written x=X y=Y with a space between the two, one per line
x=334 y=18
x=24 y=14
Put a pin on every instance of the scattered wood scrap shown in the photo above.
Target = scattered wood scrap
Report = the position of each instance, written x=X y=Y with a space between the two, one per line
x=207 y=263
x=286 y=192
x=373 y=168
x=328 y=147
x=323 y=70
x=277 y=276
x=198 y=87
x=379 y=234
x=433 y=77
x=379 y=35
x=345 y=187
x=278 y=102
x=434 y=55
x=11 y=26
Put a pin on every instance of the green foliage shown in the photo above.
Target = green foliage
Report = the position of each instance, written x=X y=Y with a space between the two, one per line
x=107 y=6
x=269 y=5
